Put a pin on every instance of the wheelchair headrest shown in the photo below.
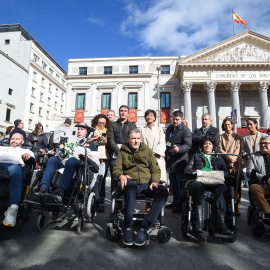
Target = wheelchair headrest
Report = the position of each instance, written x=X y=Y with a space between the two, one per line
x=27 y=145
x=5 y=142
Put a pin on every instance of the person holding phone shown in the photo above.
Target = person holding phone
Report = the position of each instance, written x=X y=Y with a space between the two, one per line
x=98 y=140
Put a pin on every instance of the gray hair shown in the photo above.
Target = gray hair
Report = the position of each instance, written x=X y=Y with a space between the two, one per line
x=110 y=111
x=207 y=114
x=135 y=130
x=265 y=138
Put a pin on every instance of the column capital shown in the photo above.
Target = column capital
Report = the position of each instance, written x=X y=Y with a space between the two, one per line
x=210 y=86
x=262 y=86
x=187 y=86
x=234 y=86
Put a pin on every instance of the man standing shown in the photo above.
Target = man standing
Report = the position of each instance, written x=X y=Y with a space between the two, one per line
x=18 y=128
x=178 y=143
x=258 y=170
x=117 y=133
x=206 y=131
x=137 y=170
x=12 y=159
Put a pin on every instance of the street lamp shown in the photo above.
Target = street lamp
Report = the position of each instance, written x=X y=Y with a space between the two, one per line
x=158 y=112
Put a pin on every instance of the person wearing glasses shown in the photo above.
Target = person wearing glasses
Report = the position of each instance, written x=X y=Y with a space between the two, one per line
x=250 y=144
x=98 y=142
x=258 y=169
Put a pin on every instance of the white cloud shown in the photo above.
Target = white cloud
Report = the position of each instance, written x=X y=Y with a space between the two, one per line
x=95 y=20
x=184 y=26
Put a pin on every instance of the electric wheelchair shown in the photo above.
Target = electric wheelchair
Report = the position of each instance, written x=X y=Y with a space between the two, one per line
x=4 y=185
x=255 y=216
x=210 y=209
x=78 y=198
x=116 y=221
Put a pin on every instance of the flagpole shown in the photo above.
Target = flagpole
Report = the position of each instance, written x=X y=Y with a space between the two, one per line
x=233 y=23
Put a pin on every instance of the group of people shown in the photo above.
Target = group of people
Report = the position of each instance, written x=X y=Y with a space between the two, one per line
x=141 y=159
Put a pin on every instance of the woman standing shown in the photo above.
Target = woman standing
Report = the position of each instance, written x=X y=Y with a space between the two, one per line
x=231 y=142
x=250 y=143
x=98 y=141
x=154 y=138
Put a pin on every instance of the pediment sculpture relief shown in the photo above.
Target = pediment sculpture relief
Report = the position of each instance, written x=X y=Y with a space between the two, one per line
x=244 y=53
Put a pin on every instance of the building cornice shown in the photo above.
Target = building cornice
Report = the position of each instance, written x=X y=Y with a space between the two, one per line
x=13 y=61
x=110 y=76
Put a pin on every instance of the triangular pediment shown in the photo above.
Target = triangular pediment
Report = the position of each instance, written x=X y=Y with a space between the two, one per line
x=248 y=47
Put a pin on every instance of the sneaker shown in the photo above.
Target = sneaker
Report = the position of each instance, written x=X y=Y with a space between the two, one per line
x=140 y=237
x=11 y=216
x=128 y=236
x=55 y=197
x=171 y=205
x=36 y=197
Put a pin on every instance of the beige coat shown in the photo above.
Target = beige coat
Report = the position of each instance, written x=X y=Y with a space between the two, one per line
x=154 y=138
x=102 y=149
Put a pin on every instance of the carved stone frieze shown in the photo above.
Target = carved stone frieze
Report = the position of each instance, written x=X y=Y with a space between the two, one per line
x=244 y=53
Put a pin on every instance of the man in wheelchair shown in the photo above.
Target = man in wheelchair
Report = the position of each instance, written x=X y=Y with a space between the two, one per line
x=12 y=159
x=203 y=162
x=69 y=164
x=138 y=172
x=258 y=170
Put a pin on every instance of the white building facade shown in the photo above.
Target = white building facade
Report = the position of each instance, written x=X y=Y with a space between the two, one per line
x=233 y=74
x=33 y=84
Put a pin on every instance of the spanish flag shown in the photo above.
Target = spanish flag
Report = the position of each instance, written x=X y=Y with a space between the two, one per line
x=238 y=19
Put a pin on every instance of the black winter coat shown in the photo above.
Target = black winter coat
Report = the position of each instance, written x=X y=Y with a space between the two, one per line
x=176 y=162
x=197 y=162
x=117 y=134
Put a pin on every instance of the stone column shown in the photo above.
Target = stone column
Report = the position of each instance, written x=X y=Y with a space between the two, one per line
x=235 y=86
x=187 y=86
x=94 y=100
x=264 y=119
x=211 y=88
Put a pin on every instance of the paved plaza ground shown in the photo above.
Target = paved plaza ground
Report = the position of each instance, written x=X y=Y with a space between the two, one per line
x=59 y=246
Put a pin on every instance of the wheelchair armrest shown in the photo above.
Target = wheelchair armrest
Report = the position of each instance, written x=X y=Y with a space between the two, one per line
x=5 y=142
x=93 y=165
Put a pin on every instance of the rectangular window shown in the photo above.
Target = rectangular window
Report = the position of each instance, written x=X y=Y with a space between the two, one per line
x=39 y=111
x=80 y=101
x=63 y=82
x=47 y=114
x=57 y=77
x=83 y=70
x=50 y=71
x=165 y=100
x=42 y=82
x=34 y=76
x=132 y=100
x=10 y=91
x=33 y=91
x=56 y=92
x=62 y=96
x=165 y=69
x=107 y=70
x=44 y=65
x=31 y=107
x=133 y=69
x=50 y=87
x=29 y=123
x=106 y=101
x=41 y=96
x=55 y=105
x=8 y=115
x=61 y=109
x=35 y=58
x=7 y=41
x=49 y=101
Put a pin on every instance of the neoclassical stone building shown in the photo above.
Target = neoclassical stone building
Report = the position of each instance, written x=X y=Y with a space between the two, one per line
x=232 y=74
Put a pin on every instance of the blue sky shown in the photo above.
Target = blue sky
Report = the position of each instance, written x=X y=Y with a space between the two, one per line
x=108 y=28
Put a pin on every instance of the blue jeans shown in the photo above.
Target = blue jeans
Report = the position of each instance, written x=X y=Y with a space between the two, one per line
x=16 y=182
x=54 y=164
x=175 y=180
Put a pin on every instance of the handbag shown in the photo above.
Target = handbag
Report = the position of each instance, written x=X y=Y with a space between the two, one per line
x=210 y=178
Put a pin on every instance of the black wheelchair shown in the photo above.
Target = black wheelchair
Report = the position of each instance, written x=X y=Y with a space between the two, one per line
x=210 y=210
x=255 y=216
x=78 y=198
x=4 y=185
x=116 y=221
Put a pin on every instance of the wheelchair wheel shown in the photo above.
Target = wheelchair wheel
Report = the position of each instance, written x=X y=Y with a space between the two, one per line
x=115 y=237
x=257 y=228
x=80 y=225
x=53 y=215
x=250 y=215
x=91 y=207
x=164 y=235
x=40 y=221
x=233 y=239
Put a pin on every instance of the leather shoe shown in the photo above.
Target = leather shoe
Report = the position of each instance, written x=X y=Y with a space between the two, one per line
x=171 y=205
